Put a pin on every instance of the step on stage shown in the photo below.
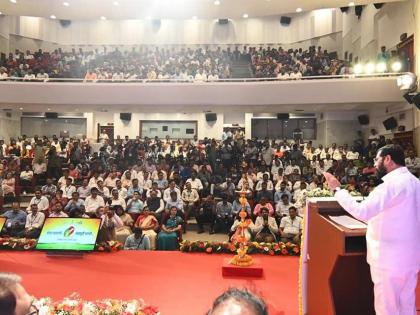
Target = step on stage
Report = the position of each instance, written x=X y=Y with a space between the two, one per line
x=177 y=283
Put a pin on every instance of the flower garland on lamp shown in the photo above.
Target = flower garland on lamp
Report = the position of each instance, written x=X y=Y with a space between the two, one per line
x=271 y=249
x=242 y=258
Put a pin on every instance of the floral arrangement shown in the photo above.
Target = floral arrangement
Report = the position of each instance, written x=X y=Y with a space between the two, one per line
x=74 y=305
x=28 y=244
x=318 y=192
x=109 y=246
x=273 y=249
x=17 y=243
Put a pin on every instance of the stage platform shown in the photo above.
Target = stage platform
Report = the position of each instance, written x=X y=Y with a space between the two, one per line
x=177 y=283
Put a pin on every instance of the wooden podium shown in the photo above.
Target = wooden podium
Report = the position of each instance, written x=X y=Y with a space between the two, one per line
x=338 y=280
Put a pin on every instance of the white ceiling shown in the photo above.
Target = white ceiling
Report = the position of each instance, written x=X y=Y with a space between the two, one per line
x=166 y=9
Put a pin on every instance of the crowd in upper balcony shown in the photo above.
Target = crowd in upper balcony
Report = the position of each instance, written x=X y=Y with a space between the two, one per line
x=117 y=65
x=295 y=63
x=187 y=64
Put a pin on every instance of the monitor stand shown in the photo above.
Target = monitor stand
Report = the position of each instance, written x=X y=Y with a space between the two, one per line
x=64 y=254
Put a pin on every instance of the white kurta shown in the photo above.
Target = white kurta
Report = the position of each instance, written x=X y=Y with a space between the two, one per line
x=392 y=212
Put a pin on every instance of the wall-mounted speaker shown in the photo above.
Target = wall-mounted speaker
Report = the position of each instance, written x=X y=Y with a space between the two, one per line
x=223 y=21
x=344 y=9
x=125 y=116
x=390 y=123
x=284 y=116
x=409 y=97
x=363 y=119
x=285 y=20
x=156 y=23
x=378 y=5
x=65 y=23
x=211 y=116
x=358 y=10
x=416 y=100
x=51 y=115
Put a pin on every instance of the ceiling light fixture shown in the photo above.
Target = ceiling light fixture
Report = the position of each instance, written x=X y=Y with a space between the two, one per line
x=103 y=18
x=194 y=17
x=116 y=3
x=66 y=4
x=299 y=10
x=53 y=17
x=351 y=4
x=245 y=16
x=217 y=2
x=1 y=13
x=13 y=1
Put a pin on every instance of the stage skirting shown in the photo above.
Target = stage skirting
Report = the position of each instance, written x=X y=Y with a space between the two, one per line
x=175 y=282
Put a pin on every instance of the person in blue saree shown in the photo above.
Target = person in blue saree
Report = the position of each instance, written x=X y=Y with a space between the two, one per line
x=170 y=230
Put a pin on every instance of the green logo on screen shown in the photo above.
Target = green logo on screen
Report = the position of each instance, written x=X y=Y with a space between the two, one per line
x=69 y=232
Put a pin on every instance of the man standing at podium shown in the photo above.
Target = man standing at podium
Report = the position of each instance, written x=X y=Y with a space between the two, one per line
x=392 y=213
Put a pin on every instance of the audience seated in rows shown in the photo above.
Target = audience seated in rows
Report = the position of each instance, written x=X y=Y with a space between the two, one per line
x=148 y=184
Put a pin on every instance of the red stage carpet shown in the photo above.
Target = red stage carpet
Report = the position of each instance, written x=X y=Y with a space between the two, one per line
x=177 y=283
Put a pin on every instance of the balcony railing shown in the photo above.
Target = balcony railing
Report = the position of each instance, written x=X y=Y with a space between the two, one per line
x=189 y=81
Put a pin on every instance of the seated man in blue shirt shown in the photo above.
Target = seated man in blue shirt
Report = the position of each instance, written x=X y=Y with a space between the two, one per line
x=75 y=203
x=15 y=221
x=137 y=240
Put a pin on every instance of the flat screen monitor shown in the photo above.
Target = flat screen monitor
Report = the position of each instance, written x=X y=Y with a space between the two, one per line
x=2 y=222
x=70 y=234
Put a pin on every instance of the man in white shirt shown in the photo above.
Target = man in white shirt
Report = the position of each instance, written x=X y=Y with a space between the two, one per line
x=393 y=240
x=190 y=198
x=291 y=227
x=40 y=201
x=283 y=75
x=195 y=182
x=84 y=190
x=265 y=179
x=413 y=163
x=282 y=207
x=277 y=164
x=34 y=222
x=290 y=169
x=122 y=191
x=111 y=180
x=93 y=182
x=63 y=179
x=68 y=189
x=94 y=201
x=352 y=154
x=167 y=191
x=58 y=211
x=103 y=137
x=116 y=200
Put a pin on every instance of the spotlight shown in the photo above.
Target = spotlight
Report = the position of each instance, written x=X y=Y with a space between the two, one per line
x=358 y=69
x=381 y=67
x=396 y=66
x=370 y=68
x=407 y=82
